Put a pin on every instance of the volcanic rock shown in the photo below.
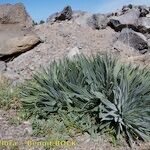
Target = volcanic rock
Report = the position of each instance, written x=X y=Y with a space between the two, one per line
x=134 y=39
x=128 y=19
x=65 y=14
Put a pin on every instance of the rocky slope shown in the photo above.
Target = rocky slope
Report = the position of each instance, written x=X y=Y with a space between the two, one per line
x=125 y=33
x=25 y=48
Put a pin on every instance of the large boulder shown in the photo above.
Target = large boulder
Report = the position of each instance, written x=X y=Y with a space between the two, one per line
x=65 y=14
x=18 y=45
x=15 y=14
x=129 y=19
x=134 y=39
x=16 y=31
x=134 y=17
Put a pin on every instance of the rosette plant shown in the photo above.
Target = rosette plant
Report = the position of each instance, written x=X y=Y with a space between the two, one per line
x=112 y=94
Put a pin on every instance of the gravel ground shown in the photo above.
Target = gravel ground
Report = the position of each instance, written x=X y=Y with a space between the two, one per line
x=21 y=133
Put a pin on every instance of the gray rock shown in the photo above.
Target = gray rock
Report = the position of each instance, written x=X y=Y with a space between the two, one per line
x=73 y=52
x=134 y=39
x=144 y=24
x=65 y=14
x=98 y=21
x=127 y=8
x=128 y=19
x=2 y=66
x=144 y=10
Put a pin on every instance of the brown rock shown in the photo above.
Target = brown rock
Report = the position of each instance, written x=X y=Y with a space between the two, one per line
x=15 y=14
x=19 y=45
